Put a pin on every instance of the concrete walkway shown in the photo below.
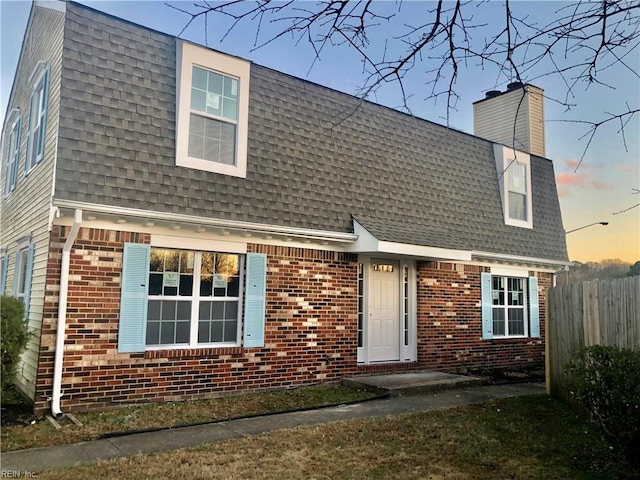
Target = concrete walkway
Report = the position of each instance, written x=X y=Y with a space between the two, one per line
x=39 y=459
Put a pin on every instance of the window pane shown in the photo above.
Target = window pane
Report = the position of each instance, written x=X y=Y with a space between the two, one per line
x=199 y=100
x=230 y=88
x=186 y=285
x=182 y=332
x=233 y=287
x=196 y=146
x=153 y=333
x=216 y=331
x=230 y=310
x=517 y=206
x=167 y=333
x=204 y=311
x=217 y=311
x=183 y=311
x=230 y=109
x=206 y=285
x=516 y=321
x=203 y=332
x=215 y=83
x=168 y=309
x=517 y=178
x=199 y=78
x=153 y=310
x=498 y=322
x=230 y=331
x=156 y=260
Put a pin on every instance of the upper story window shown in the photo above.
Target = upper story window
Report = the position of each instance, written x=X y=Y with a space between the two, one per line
x=517 y=185
x=13 y=151
x=514 y=179
x=212 y=111
x=37 y=116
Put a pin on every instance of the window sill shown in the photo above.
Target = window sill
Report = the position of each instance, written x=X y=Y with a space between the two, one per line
x=193 y=352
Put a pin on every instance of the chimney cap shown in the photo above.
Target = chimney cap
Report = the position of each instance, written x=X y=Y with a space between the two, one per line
x=493 y=93
x=514 y=86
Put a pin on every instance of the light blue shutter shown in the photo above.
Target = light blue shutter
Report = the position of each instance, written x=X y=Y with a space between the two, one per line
x=534 y=307
x=254 y=306
x=27 y=280
x=43 y=119
x=3 y=273
x=133 y=298
x=487 y=306
x=16 y=272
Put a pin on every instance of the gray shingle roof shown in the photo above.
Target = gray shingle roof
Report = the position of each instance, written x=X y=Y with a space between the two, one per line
x=316 y=156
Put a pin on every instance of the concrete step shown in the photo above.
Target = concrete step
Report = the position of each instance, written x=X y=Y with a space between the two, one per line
x=398 y=384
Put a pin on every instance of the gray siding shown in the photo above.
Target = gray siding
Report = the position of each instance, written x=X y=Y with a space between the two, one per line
x=316 y=156
x=26 y=210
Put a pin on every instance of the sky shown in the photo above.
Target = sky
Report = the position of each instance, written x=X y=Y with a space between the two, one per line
x=602 y=189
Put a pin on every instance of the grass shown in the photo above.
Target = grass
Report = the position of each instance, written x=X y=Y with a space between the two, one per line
x=532 y=437
x=153 y=416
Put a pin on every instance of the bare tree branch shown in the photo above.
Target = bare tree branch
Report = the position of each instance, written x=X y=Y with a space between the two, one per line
x=579 y=45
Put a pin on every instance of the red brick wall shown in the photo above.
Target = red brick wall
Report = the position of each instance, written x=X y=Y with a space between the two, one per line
x=450 y=322
x=310 y=331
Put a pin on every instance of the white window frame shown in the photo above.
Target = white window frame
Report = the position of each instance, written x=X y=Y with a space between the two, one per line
x=22 y=261
x=189 y=55
x=38 y=95
x=195 y=299
x=506 y=307
x=505 y=157
x=12 y=140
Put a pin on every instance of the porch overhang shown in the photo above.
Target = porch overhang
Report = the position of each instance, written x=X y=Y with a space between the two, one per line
x=368 y=243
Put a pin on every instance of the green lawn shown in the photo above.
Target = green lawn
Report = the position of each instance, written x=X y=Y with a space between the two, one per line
x=532 y=437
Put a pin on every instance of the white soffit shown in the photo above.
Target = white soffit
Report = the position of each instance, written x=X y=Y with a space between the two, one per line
x=368 y=243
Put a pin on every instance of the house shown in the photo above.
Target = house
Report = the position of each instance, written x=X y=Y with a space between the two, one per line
x=184 y=224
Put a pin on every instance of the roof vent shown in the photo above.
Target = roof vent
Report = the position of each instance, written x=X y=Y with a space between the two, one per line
x=492 y=93
x=514 y=86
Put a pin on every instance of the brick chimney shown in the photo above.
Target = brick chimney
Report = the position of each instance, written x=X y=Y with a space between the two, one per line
x=495 y=115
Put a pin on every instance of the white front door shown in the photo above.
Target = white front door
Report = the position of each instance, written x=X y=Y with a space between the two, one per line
x=384 y=310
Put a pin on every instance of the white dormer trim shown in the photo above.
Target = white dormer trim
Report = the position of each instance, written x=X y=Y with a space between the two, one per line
x=505 y=157
x=189 y=55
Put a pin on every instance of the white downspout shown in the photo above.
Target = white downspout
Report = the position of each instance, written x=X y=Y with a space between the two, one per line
x=62 y=313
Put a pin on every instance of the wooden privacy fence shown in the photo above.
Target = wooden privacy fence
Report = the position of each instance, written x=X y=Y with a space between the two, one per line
x=605 y=312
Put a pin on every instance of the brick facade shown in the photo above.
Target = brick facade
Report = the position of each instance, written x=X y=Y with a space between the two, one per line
x=450 y=327
x=310 y=330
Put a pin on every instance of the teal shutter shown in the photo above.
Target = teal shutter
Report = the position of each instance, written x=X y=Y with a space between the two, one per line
x=487 y=306
x=534 y=307
x=133 y=298
x=3 y=273
x=255 y=300
x=27 y=281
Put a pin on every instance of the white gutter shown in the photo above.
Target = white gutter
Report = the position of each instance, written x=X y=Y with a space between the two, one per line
x=62 y=313
x=212 y=222
x=518 y=259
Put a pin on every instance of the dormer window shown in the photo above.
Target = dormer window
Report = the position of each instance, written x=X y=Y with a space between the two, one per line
x=212 y=111
x=517 y=184
x=514 y=179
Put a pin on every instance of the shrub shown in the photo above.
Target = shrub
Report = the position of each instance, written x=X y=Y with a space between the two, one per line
x=606 y=381
x=14 y=336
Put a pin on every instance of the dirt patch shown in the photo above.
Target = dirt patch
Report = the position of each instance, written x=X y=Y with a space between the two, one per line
x=16 y=410
x=501 y=376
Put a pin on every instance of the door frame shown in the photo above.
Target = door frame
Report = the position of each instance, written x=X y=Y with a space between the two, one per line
x=408 y=309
